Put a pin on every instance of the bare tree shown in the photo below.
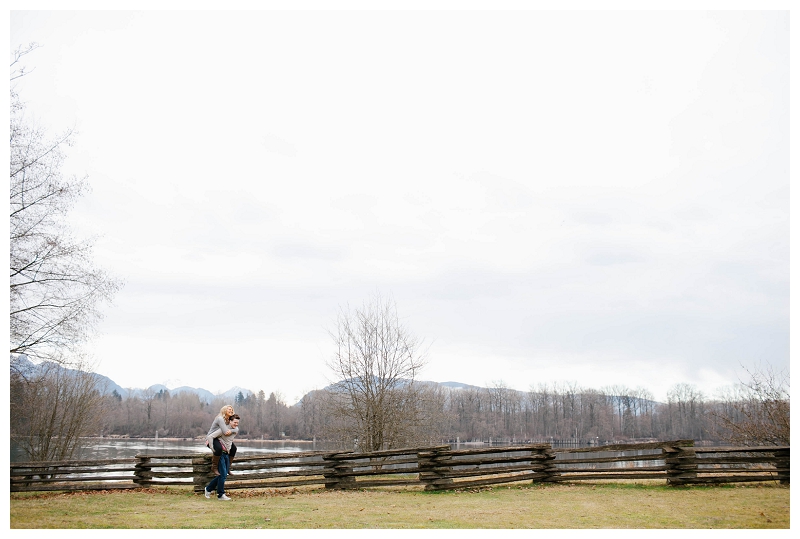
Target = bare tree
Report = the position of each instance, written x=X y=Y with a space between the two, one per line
x=437 y=416
x=54 y=293
x=148 y=396
x=686 y=411
x=311 y=417
x=260 y=405
x=275 y=405
x=758 y=411
x=375 y=399
x=541 y=398
x=592 y=405
x=645 y=401
x=55 y=289
x=53 y=408
x=19 y=70
x=166 y=400
x=498 y=392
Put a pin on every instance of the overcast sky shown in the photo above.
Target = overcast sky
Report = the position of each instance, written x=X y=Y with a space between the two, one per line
x=591 y=197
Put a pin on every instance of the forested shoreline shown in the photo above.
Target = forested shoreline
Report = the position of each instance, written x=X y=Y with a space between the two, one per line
x=558 y=411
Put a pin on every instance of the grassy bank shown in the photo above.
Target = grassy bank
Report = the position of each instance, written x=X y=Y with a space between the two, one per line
x=606 y=505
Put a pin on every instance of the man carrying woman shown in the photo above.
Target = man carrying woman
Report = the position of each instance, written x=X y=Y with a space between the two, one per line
x=225 y=440
x=221 y=423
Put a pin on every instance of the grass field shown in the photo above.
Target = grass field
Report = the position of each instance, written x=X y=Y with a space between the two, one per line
x=600 y=505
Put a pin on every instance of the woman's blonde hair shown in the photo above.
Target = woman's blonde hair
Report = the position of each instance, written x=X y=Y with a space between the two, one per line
x=224 y=415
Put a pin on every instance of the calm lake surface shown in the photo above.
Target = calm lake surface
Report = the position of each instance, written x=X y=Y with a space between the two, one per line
x=107 y=448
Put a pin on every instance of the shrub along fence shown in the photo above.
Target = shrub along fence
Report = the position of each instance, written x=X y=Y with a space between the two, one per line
x=435 y=468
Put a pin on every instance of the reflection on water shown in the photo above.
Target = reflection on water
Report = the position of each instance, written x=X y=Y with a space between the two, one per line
x=107 y=448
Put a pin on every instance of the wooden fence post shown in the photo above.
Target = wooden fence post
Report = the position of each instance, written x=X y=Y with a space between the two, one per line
x=337 y=472
x=143 y=474
x=550 y=469
x=201 y=472
x=433 y=467
x=782 y=463
x=681 y=463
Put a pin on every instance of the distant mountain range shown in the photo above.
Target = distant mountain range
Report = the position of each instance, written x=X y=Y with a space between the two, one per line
x=109 y=386
x=22 y=364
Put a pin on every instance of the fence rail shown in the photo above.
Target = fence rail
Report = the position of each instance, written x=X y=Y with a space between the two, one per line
x=436 y=468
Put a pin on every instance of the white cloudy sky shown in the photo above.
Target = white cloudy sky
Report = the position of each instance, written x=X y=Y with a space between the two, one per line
x=595 y=197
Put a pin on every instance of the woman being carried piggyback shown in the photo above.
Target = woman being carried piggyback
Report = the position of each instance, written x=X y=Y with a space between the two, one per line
x=226 y=443
x=222 y=423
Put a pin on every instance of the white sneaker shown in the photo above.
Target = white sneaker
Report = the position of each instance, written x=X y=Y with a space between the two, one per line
x=207 y=492
x=223 y=498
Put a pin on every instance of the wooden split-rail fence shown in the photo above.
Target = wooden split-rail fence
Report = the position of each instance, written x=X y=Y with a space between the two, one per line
x=436 y=468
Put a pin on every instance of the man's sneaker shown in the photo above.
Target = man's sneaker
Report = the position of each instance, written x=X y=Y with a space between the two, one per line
x=223 y=498
x=207 y=492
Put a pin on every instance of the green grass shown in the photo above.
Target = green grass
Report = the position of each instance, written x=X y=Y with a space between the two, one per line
x=598 y=505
